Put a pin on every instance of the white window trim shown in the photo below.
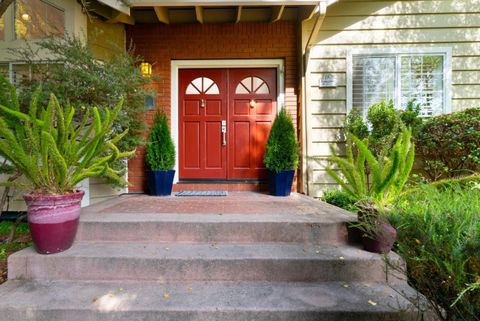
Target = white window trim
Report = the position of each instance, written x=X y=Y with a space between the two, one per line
x=447 y=67
x=176 y=65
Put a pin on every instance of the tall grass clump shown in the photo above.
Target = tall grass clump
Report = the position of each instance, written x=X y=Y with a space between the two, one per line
x=439 y=237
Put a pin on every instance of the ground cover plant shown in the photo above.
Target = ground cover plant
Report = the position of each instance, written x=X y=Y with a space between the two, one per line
x=439 y=238
x=22 y=240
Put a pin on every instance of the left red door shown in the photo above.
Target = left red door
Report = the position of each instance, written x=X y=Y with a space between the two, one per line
x=203 y=107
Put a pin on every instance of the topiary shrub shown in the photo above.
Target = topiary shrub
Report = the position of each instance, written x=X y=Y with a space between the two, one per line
x=449 y=145
x=282 y=150
x=160 y=154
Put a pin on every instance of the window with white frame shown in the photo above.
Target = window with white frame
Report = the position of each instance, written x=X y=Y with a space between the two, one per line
x=36 y=19
x=419 y=75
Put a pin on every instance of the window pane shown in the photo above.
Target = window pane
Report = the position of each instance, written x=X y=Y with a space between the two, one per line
x=2 y=28
x=36 y=19
x=21 y=73
x=4 y=71
x=373 y=80
x=422 y=80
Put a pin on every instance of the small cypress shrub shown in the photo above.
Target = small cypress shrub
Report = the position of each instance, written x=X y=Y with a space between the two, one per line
x=160 y=153
x=282 y=150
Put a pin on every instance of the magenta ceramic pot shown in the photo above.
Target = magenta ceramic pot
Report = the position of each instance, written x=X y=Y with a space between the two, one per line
x=383 y=239
x=53 y=220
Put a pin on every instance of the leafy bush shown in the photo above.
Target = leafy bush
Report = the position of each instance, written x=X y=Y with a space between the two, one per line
x=160 y=154
x=388 y=174
x=282 y=150
x=449 y=145
x=52 y=152
x=439 y=238
x=383 y=125
x=356 y=125
x=340 y=199
x=76 y=77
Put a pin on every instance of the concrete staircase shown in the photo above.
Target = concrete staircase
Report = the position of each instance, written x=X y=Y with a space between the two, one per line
x=211 y=266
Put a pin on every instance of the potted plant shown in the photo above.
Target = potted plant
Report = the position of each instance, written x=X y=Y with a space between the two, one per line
x=281 y=155
x=376 y=182
x=54 y=153
x=160 y=157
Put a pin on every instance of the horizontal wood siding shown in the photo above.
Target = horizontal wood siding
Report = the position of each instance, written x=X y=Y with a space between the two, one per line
x=352 y=24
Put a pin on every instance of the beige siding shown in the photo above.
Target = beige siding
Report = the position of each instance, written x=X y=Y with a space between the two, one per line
x=354 y=24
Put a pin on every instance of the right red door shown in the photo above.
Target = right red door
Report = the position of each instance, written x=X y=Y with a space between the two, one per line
x=252 y=108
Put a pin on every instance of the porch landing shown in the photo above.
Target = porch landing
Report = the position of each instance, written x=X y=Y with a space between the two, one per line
x=246 y=256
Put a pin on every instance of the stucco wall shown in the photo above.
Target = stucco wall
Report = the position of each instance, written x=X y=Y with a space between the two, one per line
x=383 y=24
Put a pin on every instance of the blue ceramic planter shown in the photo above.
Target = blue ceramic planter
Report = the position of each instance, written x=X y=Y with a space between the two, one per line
x=160 y=182
x=280 y=184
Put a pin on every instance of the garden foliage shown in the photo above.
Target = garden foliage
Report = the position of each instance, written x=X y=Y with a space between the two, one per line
x=439 y=237
x=50 y=150
x=383 y=124
x=449 y=145
x=70 y=70
x=160 y=154
x=365 y=176
x=282 y=151
x=340 y=199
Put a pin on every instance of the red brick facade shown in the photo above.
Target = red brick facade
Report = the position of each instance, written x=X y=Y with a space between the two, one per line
x=159 y=44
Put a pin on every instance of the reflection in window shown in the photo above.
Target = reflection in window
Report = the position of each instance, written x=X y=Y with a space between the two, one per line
x=2 y=28
x=36 y=19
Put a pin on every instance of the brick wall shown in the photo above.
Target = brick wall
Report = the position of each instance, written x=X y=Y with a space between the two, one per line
x=159 y=44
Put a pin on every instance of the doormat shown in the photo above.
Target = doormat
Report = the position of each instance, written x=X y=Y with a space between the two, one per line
x=202 y=193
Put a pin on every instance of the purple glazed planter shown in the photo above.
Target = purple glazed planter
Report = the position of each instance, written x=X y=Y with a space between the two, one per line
x=53 y=220
x=383 y=240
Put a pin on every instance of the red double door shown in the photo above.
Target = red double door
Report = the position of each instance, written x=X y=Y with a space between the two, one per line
x=225 y=116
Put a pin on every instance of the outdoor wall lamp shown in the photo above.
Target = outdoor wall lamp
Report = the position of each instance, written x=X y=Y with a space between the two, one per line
x=146 y=69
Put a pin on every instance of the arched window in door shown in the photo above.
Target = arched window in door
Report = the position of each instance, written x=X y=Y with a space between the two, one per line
x=202 y=85
x=252 y=85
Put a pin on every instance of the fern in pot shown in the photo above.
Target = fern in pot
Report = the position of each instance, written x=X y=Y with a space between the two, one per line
x=54 y=153
x=376 y=182
x=281 y=155
x=160 y=157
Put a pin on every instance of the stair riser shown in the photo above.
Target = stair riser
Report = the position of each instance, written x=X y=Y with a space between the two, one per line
x=83 y=315
x=171 y=270
x=241 y=232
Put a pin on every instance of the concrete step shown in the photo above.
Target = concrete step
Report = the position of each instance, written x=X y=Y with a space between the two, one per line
x=246 y=228
x=202 y=262
x=135 y=301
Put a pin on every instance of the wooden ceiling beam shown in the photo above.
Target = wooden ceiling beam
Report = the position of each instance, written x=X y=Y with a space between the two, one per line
x=239 y=14
x=199 y=14
x=120 y=17
x=307 y=12
x=277 y=12
x=162 y=14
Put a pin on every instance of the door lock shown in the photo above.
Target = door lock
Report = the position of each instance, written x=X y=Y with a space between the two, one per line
x=202 y=103
x=224 y=132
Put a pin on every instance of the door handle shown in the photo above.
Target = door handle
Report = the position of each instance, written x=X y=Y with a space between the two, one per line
x=224 y=132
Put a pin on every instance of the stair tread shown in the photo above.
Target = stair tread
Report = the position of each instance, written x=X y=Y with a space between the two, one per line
x=201 y=296
x=207 y=218
x=210 y=251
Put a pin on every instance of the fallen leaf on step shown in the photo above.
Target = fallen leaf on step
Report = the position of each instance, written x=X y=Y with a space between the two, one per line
x=345 y=285
x=372 y=302
x=94 y=300
x=166 y=295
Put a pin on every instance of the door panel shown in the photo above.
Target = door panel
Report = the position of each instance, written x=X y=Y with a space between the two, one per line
x=246 y=100
x=252 y=101
x=203 y=96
